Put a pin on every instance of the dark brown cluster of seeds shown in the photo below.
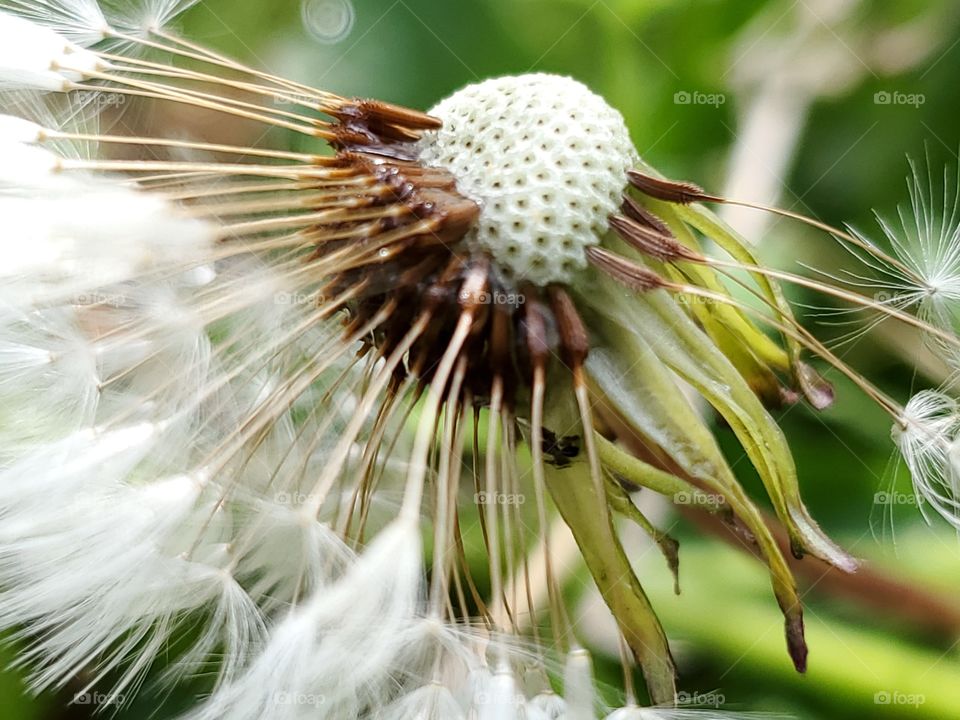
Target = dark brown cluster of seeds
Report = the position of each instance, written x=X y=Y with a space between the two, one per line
x=419 y=261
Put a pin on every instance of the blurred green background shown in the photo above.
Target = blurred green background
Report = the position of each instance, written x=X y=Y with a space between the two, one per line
x=814 y=105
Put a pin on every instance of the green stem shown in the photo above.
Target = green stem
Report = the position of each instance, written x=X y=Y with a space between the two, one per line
x=575 y=497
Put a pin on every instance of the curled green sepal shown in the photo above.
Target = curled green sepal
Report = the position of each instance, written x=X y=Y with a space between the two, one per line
x=635 y=384
x=686 y=350
x=817 y=390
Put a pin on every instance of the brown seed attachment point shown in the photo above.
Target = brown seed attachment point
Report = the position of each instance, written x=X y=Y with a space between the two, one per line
x=636 y=277
x=535 y=322
x=391 y=114
x=574 y=339
x=638 y=213
x=379 y=128
x=682 y=193
x=652 y=243
x=473 y=291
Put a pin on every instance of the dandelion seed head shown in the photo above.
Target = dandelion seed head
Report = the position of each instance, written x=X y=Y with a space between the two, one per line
x=925 y=237
x=245 y=388
x=546 y=159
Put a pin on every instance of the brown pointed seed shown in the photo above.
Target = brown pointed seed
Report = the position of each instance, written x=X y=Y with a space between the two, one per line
x=683 y=193
x=392 y=114
x=652 y=243
x=635 y=277
x=638 y=213
x=500 y=338
x=535 y=323
x=574 y=339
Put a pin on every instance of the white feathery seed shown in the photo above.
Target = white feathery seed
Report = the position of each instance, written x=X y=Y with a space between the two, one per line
x=97 y=563
x=139 y=17
x=546 y=706
x=87 y=22
x=926 y=441
x=547 y=160
x=38 y=58
x=931 y=246
x=430 y=702
x=925 y=274
x=578 y=690
x=500 y=698
x=44 y=354
x=18 y=130
x=335 y=654
x=61 y=233
x=27 y=166
x=77 y=236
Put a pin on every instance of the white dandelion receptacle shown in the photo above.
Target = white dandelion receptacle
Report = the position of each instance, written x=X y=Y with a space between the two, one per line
x=545 y=158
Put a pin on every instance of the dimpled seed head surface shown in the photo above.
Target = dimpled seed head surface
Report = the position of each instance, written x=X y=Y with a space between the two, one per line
x=547 y=161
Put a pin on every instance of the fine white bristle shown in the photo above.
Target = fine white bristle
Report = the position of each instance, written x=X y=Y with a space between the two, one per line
x=140 y=17
x=81 y=21
x=18 y=130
